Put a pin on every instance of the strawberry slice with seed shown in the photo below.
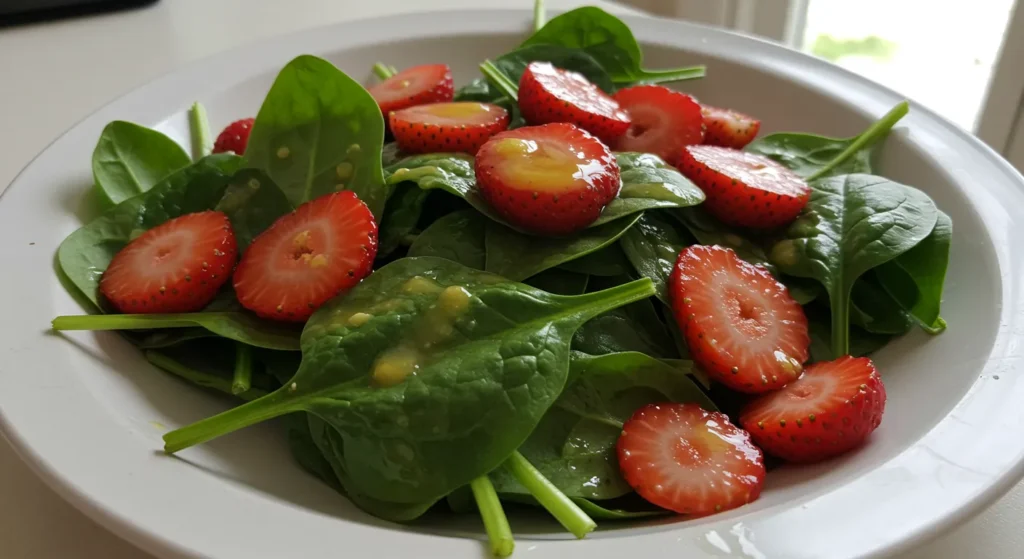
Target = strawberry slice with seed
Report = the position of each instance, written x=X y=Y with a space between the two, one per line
x=689 y=460
x=419 y=85
x=447 y=127
x=307 y=257
x=728 y=128
x=745 y=189
x=663 y=121
x=740 y=323
x=175 y=267
x=548 y=94
x=553 y=179
x=829 y=410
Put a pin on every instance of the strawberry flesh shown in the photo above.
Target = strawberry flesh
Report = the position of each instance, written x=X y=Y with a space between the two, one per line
x=307 y=257
x=745 y=189
x=663 y=121
x=689 y=460
x=740 y=324
x=175 y=267
x=829 y=410
x=553 y=179
x=235 y=137
x=728 y=128
x=447 y=127
x=548 y=94
x=419 y=85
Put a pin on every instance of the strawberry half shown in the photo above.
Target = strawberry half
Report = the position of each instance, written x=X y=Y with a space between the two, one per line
x=663 y=121
x=728 y=128
x=745 y=189
x=829 y=410
x=740 y=324
x=689 y=460
x=419 y=85
x=549 y=180
x=439 y=127
x=307 y=257
x=177 y=266
x=234 y=137
x=548 y=94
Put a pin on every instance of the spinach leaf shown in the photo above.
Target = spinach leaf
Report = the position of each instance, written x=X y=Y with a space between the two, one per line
x=634 y=327
x=318 y=132
x=710 y=231
x=853 y=223
x=443 y=374
x=652 y=246
x=876 y=311
x=86 y=253
x=862 y=343
x=814 y=157
x=574 y=444
x=610 y=42
x=209 y=363
x=401 y=214
x=620 y=509
x=514 y=63
x=252 y=203
x=915 y=278
x=559 y=282
x=648 y=183
x=609 y=261
x=129 y=159
x=518 y=256
x=458 y=236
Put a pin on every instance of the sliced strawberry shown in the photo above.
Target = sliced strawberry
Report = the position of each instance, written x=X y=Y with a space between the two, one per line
x=548 y=94
x=551 y=180
x=689 y=460
x=745 y=189
x=419 y=85
x=663 y=121
x=234 y=137
x=728 y=128
x=177 y=266
x=829 y=410
x=307 y=257
x=740 y=324
x=438 y=127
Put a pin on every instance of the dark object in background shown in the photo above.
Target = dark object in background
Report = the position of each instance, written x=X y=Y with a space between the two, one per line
x=15 y=12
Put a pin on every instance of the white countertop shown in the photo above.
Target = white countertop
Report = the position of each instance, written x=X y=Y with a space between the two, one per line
x=52 y=75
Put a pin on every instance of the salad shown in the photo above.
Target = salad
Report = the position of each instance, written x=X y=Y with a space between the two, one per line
x=562 y=285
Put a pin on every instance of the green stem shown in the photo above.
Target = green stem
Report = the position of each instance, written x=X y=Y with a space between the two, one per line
x=122 y=321
x=384 y=71
x=499 y=80
x=568 y=513
x=666 y=76
x=495 y=521
x=538 y=15
x=202 y=140
x=876 y=132
x=841 y=327
x=242 y=380
x=199 y=378
x=599 y=302
x=272 y=405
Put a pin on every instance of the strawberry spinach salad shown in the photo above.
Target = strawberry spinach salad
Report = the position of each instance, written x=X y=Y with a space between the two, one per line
x=561 y=285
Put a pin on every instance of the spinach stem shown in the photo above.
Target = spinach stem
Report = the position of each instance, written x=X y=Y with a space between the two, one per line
x=538 y=15
x=122 y=321
x=197 y=377
x=841 y=327
x=499 y=80
x=666 y=76
x=568 y=513
x=242 y=379
x=202 y=139
x=613 y=297
x=272 y=405
x=875 y=132
x=495 y=521
x=383 y=71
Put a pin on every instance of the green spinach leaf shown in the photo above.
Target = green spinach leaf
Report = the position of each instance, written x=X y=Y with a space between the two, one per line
x=130 y=159
x=252 y=203
x=635 y=327
x=609 y=261
x=458 y=236
x=862 y=343
x=559 y=282
x=710 y=231
x=915 y=278
x=514 y=63
x=653 y=246
x=874 y=310
x=648 y=183
x=401 y=214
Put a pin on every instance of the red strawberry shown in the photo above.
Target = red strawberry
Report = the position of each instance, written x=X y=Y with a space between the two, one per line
x=447 y=126
x=548 y=94
x=663 y=121
x=419 y=85
x=551 y=180
x=689 y=460
x=740 y=324
x=177 y=266
x=745 y=189
x=234 y=137
x=307 y=257
x=728 y=128
x=829 y=410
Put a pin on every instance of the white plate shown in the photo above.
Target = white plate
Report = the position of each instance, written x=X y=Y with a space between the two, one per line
x=87 y=412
